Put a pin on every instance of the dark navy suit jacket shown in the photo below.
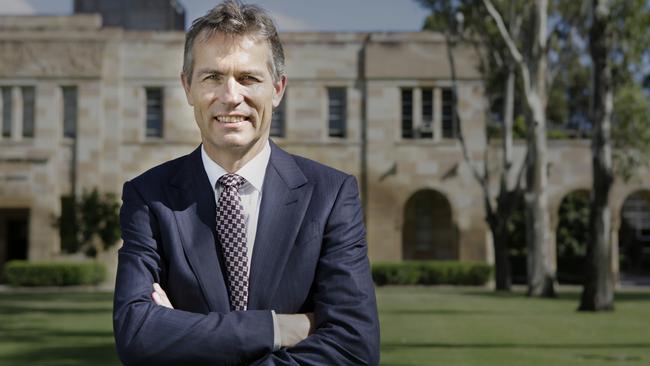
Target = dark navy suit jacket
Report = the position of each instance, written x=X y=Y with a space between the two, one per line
x=310 y=255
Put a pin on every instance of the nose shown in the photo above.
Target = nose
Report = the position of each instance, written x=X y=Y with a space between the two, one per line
x=231 y=93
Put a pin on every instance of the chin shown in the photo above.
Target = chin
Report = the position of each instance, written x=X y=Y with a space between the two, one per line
x=236 y=142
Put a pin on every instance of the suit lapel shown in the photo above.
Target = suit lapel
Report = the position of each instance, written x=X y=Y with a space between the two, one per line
x=285 y=198
x=195 y=212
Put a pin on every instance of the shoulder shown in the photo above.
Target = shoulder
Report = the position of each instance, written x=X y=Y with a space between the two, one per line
x=316 y=171
x=154 y=179
x=162 y=172
x=328 y=182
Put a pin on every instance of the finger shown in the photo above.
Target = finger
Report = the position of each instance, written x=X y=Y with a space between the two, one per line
x=160 y=297
x=156 y=298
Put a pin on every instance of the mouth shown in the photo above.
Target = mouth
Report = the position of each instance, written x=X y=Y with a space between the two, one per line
x=231 y=120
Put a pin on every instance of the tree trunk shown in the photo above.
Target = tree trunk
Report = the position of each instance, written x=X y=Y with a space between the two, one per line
x=498 y=222
x=541 y=269
x=541 y=265
x=598 y=292
x=498 y=225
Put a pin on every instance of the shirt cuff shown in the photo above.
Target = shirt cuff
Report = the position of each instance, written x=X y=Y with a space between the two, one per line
x=277 y=342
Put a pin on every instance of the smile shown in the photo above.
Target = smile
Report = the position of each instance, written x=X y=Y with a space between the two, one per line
x=231 y=119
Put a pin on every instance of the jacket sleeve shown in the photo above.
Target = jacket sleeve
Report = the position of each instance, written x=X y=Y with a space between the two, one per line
x=149 y=334
x=347 y=326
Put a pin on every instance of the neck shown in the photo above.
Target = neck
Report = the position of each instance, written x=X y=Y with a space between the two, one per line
x=232 y=159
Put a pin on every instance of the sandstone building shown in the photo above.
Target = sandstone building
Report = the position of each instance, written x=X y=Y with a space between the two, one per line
x=87 y=106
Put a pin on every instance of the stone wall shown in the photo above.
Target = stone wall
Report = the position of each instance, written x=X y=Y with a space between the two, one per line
x=111 y=69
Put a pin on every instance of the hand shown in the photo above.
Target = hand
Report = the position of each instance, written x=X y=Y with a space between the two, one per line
x=294 y=328
x=160 y=297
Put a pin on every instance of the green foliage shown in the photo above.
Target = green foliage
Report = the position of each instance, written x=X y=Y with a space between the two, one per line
x=516 y=228
x=91 y=224
x=631 y=31
x=557 y=134
x=431 y=273
x=67 y=224
x=494 y=131
x=573 y=228
x=572 y=236
x=630 y=130
x=519 y=129
x=24 y=273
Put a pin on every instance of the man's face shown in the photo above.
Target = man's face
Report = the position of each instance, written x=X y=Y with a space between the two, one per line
x=232 y=92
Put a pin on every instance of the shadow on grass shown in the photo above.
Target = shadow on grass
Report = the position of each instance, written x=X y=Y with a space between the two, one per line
x=62 y=296
x=442 y=312
x=19 y=310
x=96 y=355
x=39 y=335
x=562 y=296
x=544 y=346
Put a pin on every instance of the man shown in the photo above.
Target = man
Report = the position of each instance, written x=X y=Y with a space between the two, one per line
x=240 y=253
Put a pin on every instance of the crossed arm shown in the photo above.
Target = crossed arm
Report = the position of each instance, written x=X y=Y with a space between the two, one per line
x=293 y=328
x=343 y=331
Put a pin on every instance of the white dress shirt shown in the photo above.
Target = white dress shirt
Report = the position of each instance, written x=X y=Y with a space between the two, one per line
x=251 y=198
x=250 y=193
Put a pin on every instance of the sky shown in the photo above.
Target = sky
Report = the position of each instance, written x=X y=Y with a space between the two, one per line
x=291 y=15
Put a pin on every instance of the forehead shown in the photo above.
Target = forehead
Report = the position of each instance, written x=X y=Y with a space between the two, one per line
x=211 y=45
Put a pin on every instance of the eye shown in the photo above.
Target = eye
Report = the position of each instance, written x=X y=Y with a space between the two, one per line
x=249 y=79
x=212 y=77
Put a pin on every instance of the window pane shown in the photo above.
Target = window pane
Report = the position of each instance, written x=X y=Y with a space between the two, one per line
x=154 y=112
x=29 y=101
x=449 y=127
x=278 y=118
x=337 y=111
x=69 y=111
x=6 y=111
x=426 y=130
x=407 y=113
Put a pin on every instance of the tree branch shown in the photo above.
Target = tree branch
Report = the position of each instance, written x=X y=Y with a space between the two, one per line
x=510 y=43
x=498 y=19
x=482 y=180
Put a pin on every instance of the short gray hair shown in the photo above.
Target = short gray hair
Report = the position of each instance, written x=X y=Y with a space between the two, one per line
x=237 y=19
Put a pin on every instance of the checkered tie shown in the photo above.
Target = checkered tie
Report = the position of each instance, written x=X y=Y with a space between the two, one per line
x=231 y=230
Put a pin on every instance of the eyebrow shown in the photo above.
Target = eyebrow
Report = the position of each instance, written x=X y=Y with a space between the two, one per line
x=210 y=71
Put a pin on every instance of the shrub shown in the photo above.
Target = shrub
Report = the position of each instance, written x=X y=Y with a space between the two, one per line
x=431 y=273
x=24 y=273
x=557 y=135
x=90 y=224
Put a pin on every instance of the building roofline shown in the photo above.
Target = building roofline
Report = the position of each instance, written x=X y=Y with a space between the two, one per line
x=51 y=22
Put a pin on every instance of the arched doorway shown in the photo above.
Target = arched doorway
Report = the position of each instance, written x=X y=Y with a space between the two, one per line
x=429 y=231
x=571 y=237
x=634 y=235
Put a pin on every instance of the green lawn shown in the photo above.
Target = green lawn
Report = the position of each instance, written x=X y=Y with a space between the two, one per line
x=420 y=326
x=56 y=329
x=456 y=326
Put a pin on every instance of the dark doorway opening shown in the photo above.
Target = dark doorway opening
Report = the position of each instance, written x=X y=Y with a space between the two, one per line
x=14 y=238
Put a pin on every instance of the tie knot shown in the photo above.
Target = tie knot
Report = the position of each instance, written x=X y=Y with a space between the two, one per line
x=231 y=180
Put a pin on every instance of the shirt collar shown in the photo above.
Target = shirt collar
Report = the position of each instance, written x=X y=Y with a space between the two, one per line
x=253 y=171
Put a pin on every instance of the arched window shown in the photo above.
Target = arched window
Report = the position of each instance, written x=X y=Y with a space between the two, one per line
x=428 y=231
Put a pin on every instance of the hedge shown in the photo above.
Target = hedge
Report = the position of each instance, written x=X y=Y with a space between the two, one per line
x=24 y=273
x=431 y=273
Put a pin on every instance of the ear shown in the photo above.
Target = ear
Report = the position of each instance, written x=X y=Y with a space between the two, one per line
x=278 y=90
x=187 y=87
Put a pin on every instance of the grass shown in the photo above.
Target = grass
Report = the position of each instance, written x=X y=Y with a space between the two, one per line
x=456 y=326
x=420 y=326
x=56 y=329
